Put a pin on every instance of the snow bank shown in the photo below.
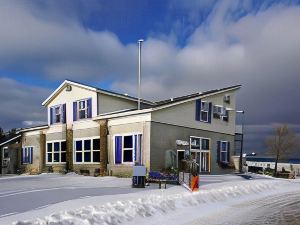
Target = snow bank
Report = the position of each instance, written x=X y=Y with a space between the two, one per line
x=156 y=204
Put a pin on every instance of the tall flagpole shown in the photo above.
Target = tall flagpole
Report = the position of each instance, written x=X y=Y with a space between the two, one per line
x=140 y=73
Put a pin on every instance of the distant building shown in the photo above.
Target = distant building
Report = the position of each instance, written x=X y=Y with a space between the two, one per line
x=255 y=164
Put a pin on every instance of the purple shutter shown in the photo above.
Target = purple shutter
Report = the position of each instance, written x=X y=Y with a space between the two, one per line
x=209 y=112
x=51 y=115
x=198 y=109
x=218 y=151
x=31 y=153
x=89 y=108
x=228 y=152
x=135 y=147
x=74 y=111
x=64 y=113
x=118 y=149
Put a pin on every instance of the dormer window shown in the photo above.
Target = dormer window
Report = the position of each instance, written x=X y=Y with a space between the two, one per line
x=58 y=114
x=57 y=111
x=204 y=111
x=82 y=109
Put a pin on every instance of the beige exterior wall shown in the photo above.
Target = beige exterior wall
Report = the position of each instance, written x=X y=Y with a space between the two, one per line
x=124 y=126
x=108 y=103
x=184 y=115
x=68 y=97
x=32 y=139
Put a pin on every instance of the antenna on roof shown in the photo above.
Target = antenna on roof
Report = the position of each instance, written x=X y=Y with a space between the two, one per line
x=140 y=73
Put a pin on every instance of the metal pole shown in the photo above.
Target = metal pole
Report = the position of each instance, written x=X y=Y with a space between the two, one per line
x=140 y=73
x=242 y=143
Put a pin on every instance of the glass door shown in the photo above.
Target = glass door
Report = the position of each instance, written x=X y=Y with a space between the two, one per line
x=204 y=159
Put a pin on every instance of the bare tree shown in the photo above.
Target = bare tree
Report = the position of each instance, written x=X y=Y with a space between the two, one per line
x=1 y=132
x=282 y=143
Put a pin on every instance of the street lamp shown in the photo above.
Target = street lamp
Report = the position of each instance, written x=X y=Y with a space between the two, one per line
x=242 y=142
x=140 y=71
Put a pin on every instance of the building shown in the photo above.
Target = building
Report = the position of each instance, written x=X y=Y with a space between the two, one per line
x=94 y=131
x=10 y=150
x=255 y=164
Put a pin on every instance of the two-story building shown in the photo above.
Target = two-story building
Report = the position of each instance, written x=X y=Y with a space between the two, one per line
x=91 y=130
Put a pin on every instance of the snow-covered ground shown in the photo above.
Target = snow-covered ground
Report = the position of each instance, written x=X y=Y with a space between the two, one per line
x=258 y=201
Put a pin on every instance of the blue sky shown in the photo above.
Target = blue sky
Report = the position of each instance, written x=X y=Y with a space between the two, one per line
x=189 y=46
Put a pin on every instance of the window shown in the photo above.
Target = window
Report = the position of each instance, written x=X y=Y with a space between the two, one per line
x=198 y=143
x=57 y=111
x=27 y=155
x=204 y=111
x=220 y=112
x=5 y=153
x=56 y=152
x=128 y=148
x=224 y=151
x=87 y=150
x=82 y=109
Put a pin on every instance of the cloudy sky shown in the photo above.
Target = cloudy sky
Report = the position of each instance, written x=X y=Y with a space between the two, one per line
x=190 y=46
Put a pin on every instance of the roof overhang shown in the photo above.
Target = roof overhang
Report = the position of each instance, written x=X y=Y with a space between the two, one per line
x=34 y=128
x=9 y=140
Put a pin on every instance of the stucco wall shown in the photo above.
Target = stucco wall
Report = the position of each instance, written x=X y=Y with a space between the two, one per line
x=184 y=115
x=163 y=138
x=142 y=127
x=32 y=139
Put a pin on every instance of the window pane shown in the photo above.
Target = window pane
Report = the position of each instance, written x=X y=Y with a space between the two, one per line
x=224 y=146
x=5 y=154
x=78 y=145
x=49 y=147
x=56 y=157
x=49 y=157
x=63 y=157
x=195 y=143
x=204 y=116
x=128 y=142
x=205 y=144
x=224 y=156
x=78 y=157
x=87 y=144
x=63 y=146
x=56 y=146
x=81 y=104
x=82 y=114
x=87 y=156
x=96 y=144
x=205 y=106
x=127 y=156
x=96 y=156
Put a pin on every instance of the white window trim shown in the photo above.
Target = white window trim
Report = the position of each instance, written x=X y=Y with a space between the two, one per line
x=114 y=147
x=200 y=147
x=86 y=109
x=82 y=151
x=221 y=150
x=22 y=155
x=60 y=151
x=128 y=149
x=202 y=110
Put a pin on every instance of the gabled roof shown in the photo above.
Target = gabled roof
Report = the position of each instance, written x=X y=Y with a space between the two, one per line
x=8 y=138
x=169 y=102
x=92 y=88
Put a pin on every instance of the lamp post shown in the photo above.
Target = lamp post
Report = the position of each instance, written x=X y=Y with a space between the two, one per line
x=242 y=143
x=140 y=72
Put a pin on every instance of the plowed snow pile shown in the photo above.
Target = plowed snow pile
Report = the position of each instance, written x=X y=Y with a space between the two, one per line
x=214 y=204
